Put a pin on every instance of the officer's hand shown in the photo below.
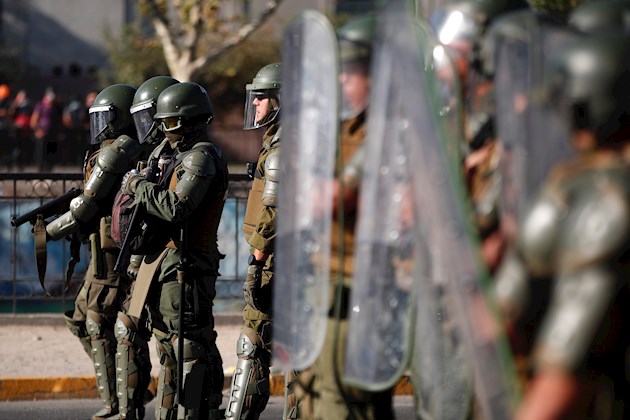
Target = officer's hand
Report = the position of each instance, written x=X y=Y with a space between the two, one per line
x=132 y=271
x=129 y=181
x=252 y=285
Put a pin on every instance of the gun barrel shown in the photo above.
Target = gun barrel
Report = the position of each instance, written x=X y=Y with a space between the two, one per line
x=50 y=208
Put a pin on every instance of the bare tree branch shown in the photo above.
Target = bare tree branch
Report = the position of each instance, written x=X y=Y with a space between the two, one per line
x=182 y=40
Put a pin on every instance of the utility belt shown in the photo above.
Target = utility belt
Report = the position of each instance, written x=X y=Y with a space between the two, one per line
x=343 y=295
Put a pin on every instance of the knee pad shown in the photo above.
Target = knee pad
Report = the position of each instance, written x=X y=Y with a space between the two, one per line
x=79 y=330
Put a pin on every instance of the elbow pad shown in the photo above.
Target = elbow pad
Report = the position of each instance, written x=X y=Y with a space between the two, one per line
x=113 y=161
x=83 y=209
x=62 y=226
x=272 y=170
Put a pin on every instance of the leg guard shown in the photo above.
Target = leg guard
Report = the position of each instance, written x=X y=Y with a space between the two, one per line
x=133 y=367
x=102 y=343
x=250 y=384
x=77 y=328
x=203 y=381
x=290 y=399
x=165 y=407
x=203 y=376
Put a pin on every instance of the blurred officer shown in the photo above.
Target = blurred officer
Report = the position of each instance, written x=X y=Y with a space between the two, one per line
x=459 y=27
x=576 y=235
x=324 y=397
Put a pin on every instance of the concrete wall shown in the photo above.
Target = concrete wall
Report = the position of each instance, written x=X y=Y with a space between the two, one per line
x=58 y=33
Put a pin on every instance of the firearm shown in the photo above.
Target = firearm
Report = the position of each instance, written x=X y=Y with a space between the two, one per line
x=135 y=225
x=182 y=269
x=53 y=207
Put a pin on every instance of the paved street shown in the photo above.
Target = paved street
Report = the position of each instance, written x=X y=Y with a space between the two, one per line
x=83 y=409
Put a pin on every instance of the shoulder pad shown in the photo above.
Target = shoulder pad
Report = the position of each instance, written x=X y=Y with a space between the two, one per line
x=117 y=157
x=199 y=161
x=598 y=225
x=538 y=233
x=272 y=163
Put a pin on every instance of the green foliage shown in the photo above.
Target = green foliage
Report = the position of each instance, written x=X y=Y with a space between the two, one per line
x=11 y=66
x=134 y=57
x=558 y=8
x=226 y=76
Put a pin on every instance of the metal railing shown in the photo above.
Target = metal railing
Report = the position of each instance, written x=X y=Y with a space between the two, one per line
x=20 y=290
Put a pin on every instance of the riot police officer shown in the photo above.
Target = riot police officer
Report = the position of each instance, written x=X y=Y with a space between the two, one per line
x=103 y=291
x=133 y=364
x=180 y=267
x=250 y=384
x=459 y=27
x=322 y=394
x=575 y=236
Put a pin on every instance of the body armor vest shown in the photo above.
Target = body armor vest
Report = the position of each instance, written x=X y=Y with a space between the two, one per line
x=352 y=137
x=254 y=199
x=203 y=223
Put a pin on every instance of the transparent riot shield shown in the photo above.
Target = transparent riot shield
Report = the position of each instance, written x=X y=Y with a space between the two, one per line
x=394 y=277
x=310 y=96
x=532 y=138
x=443 y=230
x=444 y=216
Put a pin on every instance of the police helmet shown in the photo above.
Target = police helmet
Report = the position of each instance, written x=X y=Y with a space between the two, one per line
x=265 y=85
x=110 y=114
x=145 y=105
x=183 y=104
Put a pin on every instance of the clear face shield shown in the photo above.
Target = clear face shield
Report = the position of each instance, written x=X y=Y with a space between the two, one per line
x=100 y=118
x=146 y=127
x=261 y=108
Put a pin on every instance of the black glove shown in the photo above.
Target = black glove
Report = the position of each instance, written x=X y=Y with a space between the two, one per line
x=252 y=285
x=130 y=180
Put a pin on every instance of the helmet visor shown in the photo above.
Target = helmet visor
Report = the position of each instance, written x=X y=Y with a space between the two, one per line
x=143 y=120
x=100 y=118
x=261 y=107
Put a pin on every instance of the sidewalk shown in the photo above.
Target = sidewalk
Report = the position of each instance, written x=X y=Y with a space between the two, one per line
x=41 y=359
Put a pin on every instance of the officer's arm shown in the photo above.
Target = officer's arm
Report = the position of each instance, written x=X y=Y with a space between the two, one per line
x=581 y=300
x=346 y=189
x=263 y=238
x=193 y=180
x=111 y=162
x=586 y=287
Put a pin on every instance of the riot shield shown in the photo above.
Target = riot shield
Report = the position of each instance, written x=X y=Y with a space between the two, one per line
x=310 y=96
x=532 y=137
x=442 y=211
x=442 y=229
x=379 y=331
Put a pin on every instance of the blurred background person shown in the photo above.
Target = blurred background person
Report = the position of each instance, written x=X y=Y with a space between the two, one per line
x=46 y=123
x=20 y=113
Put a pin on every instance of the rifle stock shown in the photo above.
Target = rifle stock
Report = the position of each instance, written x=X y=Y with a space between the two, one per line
x=51 y=208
